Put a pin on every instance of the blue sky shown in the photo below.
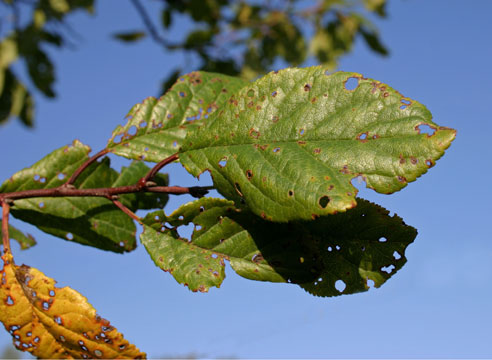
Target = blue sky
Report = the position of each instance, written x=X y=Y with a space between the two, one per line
x=438 y=305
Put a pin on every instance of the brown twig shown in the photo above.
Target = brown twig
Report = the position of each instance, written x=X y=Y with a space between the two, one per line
x=150 y=26
x=5 y=227
x=84 y=166
x=150 y=175
x=63 y=191
x=126 y=210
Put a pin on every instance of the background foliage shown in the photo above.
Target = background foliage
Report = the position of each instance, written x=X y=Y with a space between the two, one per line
x=230 y=37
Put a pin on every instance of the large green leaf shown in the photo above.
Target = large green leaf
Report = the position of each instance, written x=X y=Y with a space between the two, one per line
x=157 y=127
x=347 y=249
x=289 y=144
x=87 y=220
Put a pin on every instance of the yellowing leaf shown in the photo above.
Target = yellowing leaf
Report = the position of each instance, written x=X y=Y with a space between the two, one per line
x=51 y=322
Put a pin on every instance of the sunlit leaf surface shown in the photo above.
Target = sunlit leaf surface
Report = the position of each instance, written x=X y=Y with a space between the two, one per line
x=157 y=127
x=51 y=322
x=289 y=144
x=330 y=256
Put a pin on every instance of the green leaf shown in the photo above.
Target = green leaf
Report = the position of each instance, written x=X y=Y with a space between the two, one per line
x=156 y=127
x=25 y=241
x=288 y=145
x=90 y=221
x=353 y=247
x=15 y=99
x=130 y=36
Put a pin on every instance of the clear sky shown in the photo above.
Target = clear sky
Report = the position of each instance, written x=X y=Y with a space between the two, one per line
x=438 y=305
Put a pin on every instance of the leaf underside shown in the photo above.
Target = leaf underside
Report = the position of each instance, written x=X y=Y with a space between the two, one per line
x=288 y=145
x=25 y=241
x=92 y=221
x=157 y=127
x=51 y=322
x=330 y=256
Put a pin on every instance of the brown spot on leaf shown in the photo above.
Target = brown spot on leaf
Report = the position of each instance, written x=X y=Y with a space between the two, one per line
x=317 y=151
x=402 y=159
x=249 y=174
x=413 y=160
x=291 y=192
x=323 y=201
x=402 y=179
x=345 y=170
x=314 y=99
x=301 y=142
x=255 y=134
x=274 y=118
x=258 y=107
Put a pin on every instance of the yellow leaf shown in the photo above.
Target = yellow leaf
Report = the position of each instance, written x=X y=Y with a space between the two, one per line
x=51 y=322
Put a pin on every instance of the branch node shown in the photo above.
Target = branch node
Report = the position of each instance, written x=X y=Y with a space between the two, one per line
x=197 y=191
x=150 y=183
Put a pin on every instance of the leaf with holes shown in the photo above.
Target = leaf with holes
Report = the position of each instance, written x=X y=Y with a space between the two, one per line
x=25 y=241
x=157 y=127
x=87 y=220
x=51 y=322
x=289 y=144
x=344 y=249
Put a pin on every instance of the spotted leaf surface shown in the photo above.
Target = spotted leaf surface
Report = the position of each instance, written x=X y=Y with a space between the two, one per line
x=87 y=220
x=288 y=145
x=157 y=127
x=330 y=256
x=51 y=322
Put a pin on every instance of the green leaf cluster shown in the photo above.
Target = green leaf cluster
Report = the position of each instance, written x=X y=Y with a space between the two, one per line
x=283 y=151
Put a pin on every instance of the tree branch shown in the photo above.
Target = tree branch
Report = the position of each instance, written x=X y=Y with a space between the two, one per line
x=150 y=175
x=63 y=191
x=150 y=26
x=84 y=166
x=5 y=227
x=126 y=210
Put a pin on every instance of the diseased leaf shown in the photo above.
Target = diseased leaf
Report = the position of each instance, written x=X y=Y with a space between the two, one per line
x=25 y=241
x=92 y=221
x=321 y=255
x=51 y=322
x=156 y=127
x=288 y=145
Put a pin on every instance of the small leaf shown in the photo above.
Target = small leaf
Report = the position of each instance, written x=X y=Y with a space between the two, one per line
x=305 y=132
x=352 y=247
x=92 y=221
x=51 y=322
x=130 y=36
x=156 y=128
x=25 y=241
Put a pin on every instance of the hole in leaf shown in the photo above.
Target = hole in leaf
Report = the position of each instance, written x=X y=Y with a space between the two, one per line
x=329 y=248
x=337 y=247
x=69 y=236
x=323 y=201
x=61 y=176
x=426 y=129
x=9 y=300
x=117 y=139
x=223 y=162
x=382 y=239
x=405 y=101
x=182 y=94
x=42 y=180
x=121 y=243
x=41 y=204
x=215 y=256
x=58 y=320
x=351 y=83
x=370 y=283
x=52 y=293
x=249 y=174
x=291 y=193
x=36 y=177
x=340 y=285
x=142 y=124
x=198 y=227
x=397 y=255
x=428 y=163
x=363 y=136
x=301 y=132
x=274 y=93
x=388 y=269
x=275 y=150
x=45 y=305
x=307 y=87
